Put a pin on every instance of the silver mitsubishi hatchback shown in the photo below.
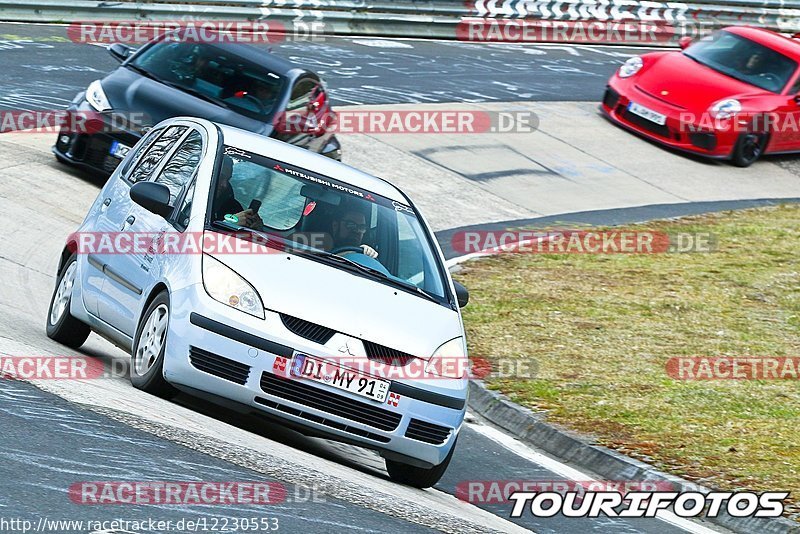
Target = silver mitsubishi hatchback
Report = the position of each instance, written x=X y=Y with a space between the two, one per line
x=259 y=275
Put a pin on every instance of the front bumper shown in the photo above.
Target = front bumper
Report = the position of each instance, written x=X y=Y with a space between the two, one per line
x=89 y=148
x=227 y=354
x=683 y=130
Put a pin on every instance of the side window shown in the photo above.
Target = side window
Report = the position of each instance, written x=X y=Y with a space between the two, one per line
x=155 y=153
x=181 y=166
x=150 y=137
x=302 y=93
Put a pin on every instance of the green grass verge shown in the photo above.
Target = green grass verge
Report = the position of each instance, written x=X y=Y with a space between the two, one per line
x=602 y=327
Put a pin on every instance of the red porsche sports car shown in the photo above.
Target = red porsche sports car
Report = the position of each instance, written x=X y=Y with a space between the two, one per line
x=730 y=95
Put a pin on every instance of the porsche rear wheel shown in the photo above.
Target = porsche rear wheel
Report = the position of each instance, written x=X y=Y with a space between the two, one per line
x=748 y=149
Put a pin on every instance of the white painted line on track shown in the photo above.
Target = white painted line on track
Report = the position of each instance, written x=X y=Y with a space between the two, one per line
x=520 y=449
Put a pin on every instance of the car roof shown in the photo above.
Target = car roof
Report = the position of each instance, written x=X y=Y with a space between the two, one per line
x=304 y=159
x=785 y=45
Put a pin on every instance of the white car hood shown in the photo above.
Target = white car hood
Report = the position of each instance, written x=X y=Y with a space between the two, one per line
x=348 y=303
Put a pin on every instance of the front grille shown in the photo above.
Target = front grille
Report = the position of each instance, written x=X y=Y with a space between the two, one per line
x=663 y=131
x=385 y=355
x=308 y=330
x=704 y=140
x=297 y=391
x=322 y=421
x=217 y=365
x=97 y=154
x=610 y=98
x=427 y=432
x=322 y=334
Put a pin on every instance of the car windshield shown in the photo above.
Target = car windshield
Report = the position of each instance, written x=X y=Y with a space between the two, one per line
x=214 y=74
x=321 y=217
x=743 y=59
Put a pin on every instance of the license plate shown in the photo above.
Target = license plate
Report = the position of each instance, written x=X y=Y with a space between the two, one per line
x=118 y=150
x=647 y=113
x=325 y=372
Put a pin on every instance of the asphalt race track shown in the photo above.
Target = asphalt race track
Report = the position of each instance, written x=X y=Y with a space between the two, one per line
x=43 y=69
x=55 y=433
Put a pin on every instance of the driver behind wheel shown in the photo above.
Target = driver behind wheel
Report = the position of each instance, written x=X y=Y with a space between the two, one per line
x=348 y=231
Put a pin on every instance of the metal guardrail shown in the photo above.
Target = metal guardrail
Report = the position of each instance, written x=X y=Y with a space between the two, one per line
x=442 y=19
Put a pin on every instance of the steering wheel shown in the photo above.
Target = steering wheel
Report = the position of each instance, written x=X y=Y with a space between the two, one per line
x=772 y=78
x=348 y=249
x=261 y=107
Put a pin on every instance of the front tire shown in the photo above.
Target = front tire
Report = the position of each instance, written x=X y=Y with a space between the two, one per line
x=418 y=477
x=147 y=358
x=748 y=149
x=61 y=325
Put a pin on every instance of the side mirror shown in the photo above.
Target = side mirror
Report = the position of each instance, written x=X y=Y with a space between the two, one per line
x=119 y=51
x=684 y=42
x=462 y=295
x=153 y=197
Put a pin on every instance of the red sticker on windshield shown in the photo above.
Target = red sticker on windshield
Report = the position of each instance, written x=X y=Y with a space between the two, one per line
x=309 y=208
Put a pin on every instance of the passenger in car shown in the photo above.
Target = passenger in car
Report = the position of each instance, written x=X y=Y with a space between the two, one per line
x=225 y=202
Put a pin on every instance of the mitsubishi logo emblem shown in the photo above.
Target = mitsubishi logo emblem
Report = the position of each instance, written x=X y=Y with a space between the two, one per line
x=346 y=348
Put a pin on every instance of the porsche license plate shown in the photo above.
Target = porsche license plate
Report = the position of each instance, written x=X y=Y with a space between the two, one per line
x=333 y=374
x=647 y=113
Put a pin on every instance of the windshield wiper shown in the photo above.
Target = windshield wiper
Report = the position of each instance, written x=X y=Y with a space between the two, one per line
x=375 y=273
x=143 y=72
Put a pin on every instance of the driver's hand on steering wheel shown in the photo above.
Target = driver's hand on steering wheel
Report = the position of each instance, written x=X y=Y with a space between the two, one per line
x=369 y=251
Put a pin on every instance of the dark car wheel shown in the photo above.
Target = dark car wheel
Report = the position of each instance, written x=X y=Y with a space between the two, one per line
x=147 y=358
x=61 y=325
x=748 y=149
x=418 y=477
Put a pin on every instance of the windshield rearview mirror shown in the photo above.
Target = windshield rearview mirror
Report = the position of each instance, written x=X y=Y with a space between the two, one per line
x=320 y=194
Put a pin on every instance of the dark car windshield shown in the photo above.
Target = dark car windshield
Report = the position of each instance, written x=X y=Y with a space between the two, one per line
x=215 y=74
x=319 y=216
x=743 y=59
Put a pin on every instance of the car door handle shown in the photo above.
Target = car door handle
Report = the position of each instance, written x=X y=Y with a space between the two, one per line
x=128 y=222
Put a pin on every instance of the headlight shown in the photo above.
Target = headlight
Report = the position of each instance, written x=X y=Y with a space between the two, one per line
x=96 y=97
x=630 y=67
x=224 y=285
x=725 y=109
x=449 y=360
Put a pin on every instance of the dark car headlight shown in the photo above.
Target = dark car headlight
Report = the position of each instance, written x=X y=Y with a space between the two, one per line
x=96 y=97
